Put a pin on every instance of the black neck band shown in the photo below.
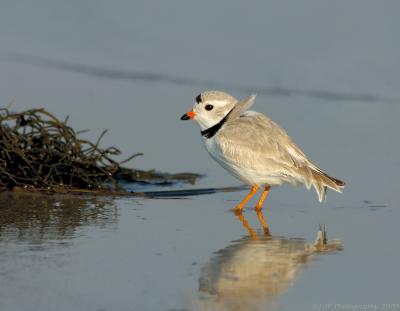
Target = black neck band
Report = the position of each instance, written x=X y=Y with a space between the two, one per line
x=211 y=131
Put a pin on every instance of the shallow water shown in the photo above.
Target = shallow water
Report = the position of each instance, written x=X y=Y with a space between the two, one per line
x=190 y=254
x=328 y=72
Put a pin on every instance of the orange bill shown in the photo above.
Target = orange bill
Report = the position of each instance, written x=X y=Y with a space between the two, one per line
x=190 y=115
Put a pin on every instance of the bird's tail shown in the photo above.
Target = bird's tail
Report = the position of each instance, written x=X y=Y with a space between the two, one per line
x=322 y=181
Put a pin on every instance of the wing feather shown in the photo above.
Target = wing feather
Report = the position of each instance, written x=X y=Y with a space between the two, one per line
x=255 y=142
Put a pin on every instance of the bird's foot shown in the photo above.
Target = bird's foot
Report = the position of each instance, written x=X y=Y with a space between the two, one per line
x=258 y=208
x=237 y=210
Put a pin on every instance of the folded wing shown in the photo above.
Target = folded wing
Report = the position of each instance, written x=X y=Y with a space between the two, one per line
x=257 y=144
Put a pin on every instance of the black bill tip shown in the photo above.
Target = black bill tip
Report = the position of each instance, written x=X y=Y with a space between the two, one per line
x=185 y=117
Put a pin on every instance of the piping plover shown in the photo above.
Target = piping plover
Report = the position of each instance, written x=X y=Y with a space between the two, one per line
x=254 y=148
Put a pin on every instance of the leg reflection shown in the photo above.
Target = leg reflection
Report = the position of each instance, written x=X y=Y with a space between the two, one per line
x=263 y=223
x=252 y=232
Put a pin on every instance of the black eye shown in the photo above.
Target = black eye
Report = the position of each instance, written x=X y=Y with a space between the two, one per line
x=198 y=99
x=209 y=107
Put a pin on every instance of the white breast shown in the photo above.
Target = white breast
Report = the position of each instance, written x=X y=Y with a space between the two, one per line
x=247 y=176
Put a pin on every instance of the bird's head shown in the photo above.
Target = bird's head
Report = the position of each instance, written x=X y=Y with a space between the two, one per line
x=210 y=108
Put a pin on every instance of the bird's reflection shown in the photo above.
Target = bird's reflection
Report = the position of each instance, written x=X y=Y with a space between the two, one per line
x=252 y=272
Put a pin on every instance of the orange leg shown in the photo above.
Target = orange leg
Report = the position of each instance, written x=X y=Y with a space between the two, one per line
x=251 y=193
x=262 y=198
